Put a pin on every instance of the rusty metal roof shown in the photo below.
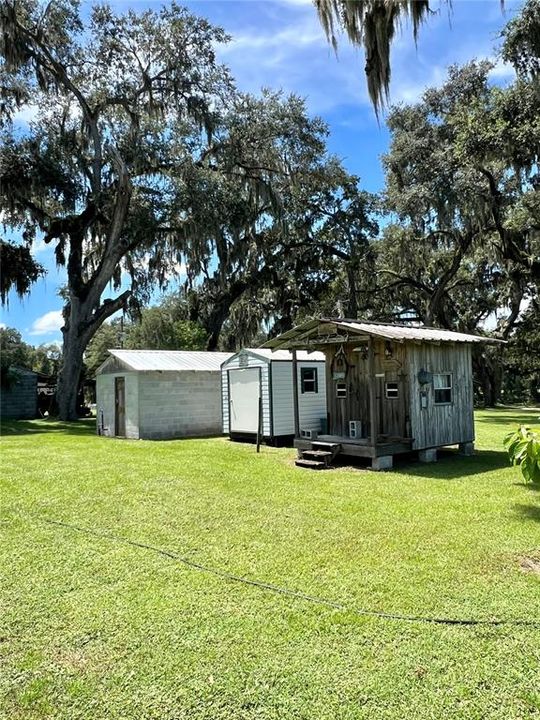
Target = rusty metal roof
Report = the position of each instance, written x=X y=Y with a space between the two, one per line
x=307 y=333
x=171 y=360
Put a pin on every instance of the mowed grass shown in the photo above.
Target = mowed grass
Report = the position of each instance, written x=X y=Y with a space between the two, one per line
x=95 y=628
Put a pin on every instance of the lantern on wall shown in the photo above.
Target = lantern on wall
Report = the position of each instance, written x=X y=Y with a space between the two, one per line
x=424 y=377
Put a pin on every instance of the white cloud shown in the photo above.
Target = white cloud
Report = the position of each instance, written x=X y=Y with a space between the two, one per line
x=26 y=115
x=47 y=324
x=409 y=90
x=297 y=2
x=502 y=71
x=40 y=247
x=3 y=326
x=290 y=52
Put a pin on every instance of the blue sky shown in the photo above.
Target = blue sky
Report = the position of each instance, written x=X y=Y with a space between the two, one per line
x=280 y=44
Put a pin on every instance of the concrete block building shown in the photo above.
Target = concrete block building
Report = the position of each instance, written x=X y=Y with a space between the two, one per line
x=159 y=394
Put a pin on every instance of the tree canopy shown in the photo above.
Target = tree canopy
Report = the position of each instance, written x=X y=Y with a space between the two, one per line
x=144 y=165
x=372 y=25
x=142 y=156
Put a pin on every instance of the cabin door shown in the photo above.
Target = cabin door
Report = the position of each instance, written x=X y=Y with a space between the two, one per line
x=244 y=390
x=120 y=407
x=392 y=408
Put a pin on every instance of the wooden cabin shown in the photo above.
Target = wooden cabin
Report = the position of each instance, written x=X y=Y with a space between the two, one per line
x=390 y=389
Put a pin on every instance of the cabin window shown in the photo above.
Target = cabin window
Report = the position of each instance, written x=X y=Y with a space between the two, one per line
x=392 y=390
x=341 y=390
x=442 y=385
x=308 y=380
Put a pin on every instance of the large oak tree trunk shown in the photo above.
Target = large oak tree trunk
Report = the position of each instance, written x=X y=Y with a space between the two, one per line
x=70 y=375
x=82 y=320
x=487 y=369
x=352 y=304
x=76 y=335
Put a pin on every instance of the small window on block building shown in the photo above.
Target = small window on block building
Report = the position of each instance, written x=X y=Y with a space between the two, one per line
x=392 y=390
x=341 y=390
x=442 y=385
x=308 y=380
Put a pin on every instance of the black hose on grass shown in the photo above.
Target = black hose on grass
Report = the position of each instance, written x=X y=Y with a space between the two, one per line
x=286 y=591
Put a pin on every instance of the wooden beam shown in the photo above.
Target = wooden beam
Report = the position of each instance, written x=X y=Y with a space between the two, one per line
x=373 y=410
x=295 y=395
x=315 y=342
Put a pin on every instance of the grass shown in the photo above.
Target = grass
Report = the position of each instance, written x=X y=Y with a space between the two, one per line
x=97 y=629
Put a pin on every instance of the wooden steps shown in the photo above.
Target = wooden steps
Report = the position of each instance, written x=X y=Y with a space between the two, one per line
x=311 y=464
x=319 y=456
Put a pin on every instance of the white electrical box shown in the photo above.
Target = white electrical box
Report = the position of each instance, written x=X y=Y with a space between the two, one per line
x=355 y=429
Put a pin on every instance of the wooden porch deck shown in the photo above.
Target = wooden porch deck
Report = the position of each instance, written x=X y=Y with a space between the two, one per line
x=361 y=447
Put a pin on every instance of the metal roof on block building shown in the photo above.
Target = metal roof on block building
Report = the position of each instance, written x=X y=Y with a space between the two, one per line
x=170 y=360
x=339 y=329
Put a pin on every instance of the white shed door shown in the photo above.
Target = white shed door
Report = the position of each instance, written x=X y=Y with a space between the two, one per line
x=244 y=400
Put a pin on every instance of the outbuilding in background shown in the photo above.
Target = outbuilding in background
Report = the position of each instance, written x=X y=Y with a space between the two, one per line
x=159 y=394
x=18 y=395
x=254 y=374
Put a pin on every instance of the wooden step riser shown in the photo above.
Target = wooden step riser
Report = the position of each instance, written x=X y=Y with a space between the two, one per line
x=311 y=464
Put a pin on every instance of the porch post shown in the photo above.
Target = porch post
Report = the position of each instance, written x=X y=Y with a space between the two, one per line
x=373 y=414
x=295 y=395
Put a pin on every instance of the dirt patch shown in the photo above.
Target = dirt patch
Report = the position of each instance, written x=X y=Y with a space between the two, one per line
x=531 y=564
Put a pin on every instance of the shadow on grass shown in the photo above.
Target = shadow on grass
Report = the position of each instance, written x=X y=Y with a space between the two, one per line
x=530 y=418
x=451 y=465
x=533 y=487
x=528 y=512
x=84 y=426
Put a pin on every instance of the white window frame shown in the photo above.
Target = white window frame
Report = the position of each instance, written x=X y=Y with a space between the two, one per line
x=314 y=380
x=391 y=393
x=449 y=387
x=341 y=387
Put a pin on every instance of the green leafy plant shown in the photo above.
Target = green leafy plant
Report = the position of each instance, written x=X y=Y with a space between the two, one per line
x=523 y=447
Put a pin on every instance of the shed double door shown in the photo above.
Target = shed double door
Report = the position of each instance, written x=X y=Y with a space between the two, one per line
x=120 y=406
x=244 y=393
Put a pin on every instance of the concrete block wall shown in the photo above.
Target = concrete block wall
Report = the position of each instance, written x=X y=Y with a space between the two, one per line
x=179 y=404
x=105 y=403
x=19 y=401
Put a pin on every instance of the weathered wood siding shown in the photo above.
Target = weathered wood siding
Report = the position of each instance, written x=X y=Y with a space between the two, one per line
x=393 y=414
x=438 y=425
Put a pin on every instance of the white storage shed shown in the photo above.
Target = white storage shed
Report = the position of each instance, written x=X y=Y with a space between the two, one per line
x=259 y=373
x=159 y=394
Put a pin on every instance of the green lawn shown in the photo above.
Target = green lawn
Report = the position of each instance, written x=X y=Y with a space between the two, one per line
x=98 y=629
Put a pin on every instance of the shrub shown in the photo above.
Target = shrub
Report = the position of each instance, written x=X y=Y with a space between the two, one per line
x=523 y=447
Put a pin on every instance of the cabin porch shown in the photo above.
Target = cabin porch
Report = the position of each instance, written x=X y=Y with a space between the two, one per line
x=320 y=452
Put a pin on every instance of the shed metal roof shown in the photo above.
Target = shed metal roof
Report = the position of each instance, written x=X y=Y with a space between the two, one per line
x=268 y=354
x=171 y=360
x=308 y=333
